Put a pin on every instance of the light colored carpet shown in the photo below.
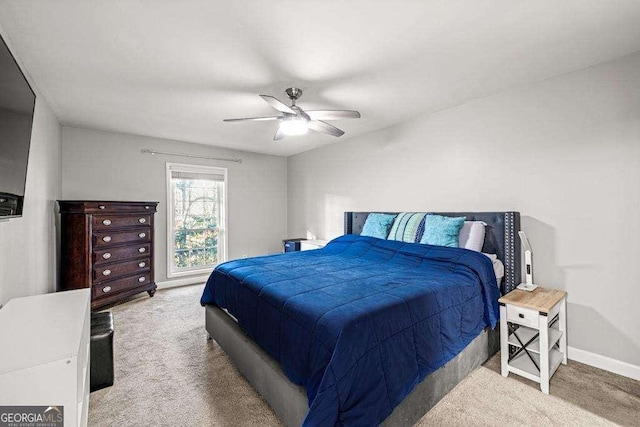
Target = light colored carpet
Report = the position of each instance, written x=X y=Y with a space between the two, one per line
x=485 y=398
x=168 y=374
x=606 y=394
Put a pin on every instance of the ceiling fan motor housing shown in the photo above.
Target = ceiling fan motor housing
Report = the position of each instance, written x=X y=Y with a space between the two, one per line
x=293 y=93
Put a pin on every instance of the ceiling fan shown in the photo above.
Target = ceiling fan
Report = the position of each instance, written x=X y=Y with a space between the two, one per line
x=296 y=121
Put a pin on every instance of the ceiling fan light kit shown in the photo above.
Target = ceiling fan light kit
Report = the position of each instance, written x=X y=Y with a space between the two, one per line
x=296 y=121
x=294 y=126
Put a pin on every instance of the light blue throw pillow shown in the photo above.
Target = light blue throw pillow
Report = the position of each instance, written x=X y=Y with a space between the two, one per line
x=377 y=225
x=442 y=230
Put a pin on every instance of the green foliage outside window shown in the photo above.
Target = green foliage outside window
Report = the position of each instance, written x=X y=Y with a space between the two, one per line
x=196 y=216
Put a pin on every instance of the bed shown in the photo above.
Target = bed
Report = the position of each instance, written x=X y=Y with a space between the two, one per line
x=364 y=331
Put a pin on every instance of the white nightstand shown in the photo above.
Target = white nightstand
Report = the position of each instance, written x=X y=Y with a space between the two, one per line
x=306 y=245
x=301 y=244
x=533 y=325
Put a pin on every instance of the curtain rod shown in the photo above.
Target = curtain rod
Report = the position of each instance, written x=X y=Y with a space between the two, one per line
x=167 y=153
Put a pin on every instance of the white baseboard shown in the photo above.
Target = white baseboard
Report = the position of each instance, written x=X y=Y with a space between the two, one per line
x=603 y=362
x=192 y=280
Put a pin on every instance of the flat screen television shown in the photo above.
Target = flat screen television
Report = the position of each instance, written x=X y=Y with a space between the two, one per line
x=17 y=101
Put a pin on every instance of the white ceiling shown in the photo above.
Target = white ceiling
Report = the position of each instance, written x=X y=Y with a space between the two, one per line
x=175 y=69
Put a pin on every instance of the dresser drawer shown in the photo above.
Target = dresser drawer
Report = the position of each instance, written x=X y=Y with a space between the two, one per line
x=109 y=255
x=101 y=207
x=108 y=222
x=114 y=271
x=120 y=285
x=104 y=238
x=128 y=207
x=522 y=316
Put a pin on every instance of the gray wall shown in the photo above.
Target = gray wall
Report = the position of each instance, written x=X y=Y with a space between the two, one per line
x=565 y=152
x=109 y=166
x=28 y=245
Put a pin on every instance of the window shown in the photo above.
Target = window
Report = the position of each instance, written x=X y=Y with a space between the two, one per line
x=196 y=232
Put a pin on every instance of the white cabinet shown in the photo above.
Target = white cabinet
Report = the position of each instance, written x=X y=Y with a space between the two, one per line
x=44 y=353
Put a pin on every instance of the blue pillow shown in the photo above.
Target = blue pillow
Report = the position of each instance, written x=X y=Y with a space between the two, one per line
x=442 y=230
x=377 y=225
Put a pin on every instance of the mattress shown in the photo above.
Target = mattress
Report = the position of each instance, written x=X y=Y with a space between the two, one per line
x=361 y=322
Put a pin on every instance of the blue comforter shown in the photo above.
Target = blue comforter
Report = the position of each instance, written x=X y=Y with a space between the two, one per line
x=362 y=321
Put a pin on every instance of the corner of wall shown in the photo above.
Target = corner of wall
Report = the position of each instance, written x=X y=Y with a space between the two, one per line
x=28 y=245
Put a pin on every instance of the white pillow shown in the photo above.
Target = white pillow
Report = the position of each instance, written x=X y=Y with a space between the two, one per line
x=498 y=267
x=492 y=257
x=471 y=235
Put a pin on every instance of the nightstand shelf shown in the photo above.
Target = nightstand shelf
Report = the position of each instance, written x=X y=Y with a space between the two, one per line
x=533 y=340
x=523 y=366
x=526 y=334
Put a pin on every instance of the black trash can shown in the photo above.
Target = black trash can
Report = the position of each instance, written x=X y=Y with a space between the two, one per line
x=101 y=349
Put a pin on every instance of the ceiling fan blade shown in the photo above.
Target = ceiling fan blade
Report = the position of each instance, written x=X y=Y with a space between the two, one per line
x=279 y=135
x=320 y=126
x=332 y=114
x=282 y=107
x=256 y=119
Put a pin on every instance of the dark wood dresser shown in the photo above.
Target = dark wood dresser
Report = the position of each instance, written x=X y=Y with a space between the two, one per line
x=108 y=247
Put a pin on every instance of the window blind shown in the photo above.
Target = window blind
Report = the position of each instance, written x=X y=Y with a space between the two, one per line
x=208 y=176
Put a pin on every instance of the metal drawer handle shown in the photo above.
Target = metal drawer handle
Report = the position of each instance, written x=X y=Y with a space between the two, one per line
x=142 y=235
x=142 y=220
x=146 y=207
x=520 y=315
x=106 y=289
x=141 y=279
x=106 y=239
x=142 y=264
x=106 y=272
x=106 y=255
x=107 y=222
x=101 y=207
x=142 y=250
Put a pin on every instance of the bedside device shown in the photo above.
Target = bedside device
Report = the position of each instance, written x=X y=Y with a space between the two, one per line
x=528 y=264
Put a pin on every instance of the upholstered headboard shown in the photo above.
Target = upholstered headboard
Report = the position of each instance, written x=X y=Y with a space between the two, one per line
x=501 y=238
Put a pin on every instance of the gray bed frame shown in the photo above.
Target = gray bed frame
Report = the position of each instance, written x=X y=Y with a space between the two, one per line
x=289 y=401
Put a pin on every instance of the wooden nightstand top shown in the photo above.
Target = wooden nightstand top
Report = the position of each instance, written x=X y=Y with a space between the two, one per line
x=541 y=299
